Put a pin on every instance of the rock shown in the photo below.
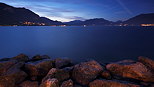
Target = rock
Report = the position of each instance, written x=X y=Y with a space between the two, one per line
x=38 y=68
x=132 y=70
x=147 y=62
x=6 y=82
x=106 y=75
x=144 y=84
x=45 y=57
x=29 y=84
x=59 y=74
x=69 y=69
x=38 y=57
x=61 y=63
x=5 y=59
x=21 y=57
x=152 y=85
x=5 y=65
x=68 y=83
x=15 y=73
x=50 y=83
x=85 y=72
x=13 y=76
x=77 y=85
x=110 y=83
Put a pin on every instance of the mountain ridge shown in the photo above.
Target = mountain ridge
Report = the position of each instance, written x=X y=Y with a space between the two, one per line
x=10 y=15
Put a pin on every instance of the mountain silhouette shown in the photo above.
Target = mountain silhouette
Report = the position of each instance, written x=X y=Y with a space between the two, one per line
x=18 y=16
x=10 y=15
x=141 y=19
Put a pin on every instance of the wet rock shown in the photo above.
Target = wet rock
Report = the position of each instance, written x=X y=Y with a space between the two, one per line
x=59 y=74
x=15 y=73
x=21 y=57
x=144 y=84
x=45 y=57
x=69 y=69
x=110 y=83
x=50 y=83
x=77 y=85
x=5 y=65
x=29 y=84
x=106 y=75
x=147 y=62
x=5 y=59
x=85 y=72
x=132 y=70
x=152 y=85
x=68 y=83
x=39 y=57
x=36 y=57
x=6 y=82
x=13 y=76
x=61 y=63
x=38 y=68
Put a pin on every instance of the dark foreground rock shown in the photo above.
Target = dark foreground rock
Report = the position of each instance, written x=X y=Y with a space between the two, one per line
x=147 y=62
x=68 y=83
x=38 y=68
x=110 y=83
x=133 y=70
x=13 y=76
x=85 y=72
x=29 y=84
x=21 y=57
x=50 y=83
x=39 y=57
x=59 y=74
x=41 y=71
x=61 y=63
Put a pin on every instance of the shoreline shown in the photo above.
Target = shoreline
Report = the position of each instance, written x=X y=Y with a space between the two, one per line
x=43 y=71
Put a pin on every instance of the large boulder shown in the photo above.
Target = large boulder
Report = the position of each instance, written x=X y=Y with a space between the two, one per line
x=110 y=83
x=61 y=63
x=50 y=83
x=5 y=65
x=39 y=57
x=38 y=68
x=85 y=72
x=29 y=84
x=21 y=58
x=13 y=76
x=59 y=74
x=106 y=74
x=147 y=62
x=5 y=59
x=68 y=83
x=132 y=70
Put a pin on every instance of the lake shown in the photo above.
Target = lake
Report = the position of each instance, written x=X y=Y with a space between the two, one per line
x=78 y=43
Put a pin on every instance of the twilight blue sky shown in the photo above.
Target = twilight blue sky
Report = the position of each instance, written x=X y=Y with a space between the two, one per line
x=68 y=10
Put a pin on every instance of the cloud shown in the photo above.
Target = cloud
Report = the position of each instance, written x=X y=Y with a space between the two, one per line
x=124 y=7
x=75 y=18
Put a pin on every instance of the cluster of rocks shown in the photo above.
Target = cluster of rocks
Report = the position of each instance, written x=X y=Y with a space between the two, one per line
x=42 y=71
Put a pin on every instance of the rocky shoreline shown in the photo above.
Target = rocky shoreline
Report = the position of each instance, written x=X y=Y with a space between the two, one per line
x=42 y=71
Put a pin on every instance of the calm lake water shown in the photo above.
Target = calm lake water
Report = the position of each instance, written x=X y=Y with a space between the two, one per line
x=78 y=43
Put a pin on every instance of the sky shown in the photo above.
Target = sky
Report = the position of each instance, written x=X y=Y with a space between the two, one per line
x=69 y=10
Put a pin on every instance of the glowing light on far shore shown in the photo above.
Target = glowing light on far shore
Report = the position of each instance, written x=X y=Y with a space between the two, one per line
x=147 y=24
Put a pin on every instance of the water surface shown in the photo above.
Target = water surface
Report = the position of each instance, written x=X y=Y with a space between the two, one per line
x=78 y=43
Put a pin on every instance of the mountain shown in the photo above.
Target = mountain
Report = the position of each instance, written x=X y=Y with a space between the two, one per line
x=50 y=22
x=141 y=19
x=21 y=16
x=10 y=15
x=90 y=22
x=75 y=23
x=97 y=21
